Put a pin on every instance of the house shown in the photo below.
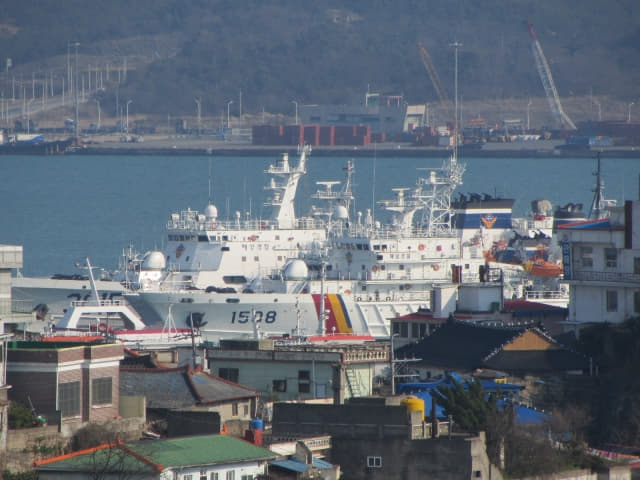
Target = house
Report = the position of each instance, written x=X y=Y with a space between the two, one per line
x=301 y=370
x=10 y=258
x=202 y=457
x=467 y=346
x=186 y=397
x=601 y=261
x=376 y=438
x=68 y=383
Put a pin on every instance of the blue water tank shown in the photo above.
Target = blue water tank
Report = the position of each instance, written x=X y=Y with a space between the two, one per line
x=256 y=424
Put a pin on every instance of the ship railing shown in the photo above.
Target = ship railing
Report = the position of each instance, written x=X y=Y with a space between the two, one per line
x=8 y=306
x=207 y=225
x=607 y=277
x=546 y=294
x=102 y=303
x=523 y=224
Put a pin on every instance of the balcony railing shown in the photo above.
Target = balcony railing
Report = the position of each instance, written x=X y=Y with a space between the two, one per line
x=606 y=277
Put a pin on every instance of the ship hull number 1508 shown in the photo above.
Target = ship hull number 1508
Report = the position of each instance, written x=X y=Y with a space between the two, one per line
x=255 y=316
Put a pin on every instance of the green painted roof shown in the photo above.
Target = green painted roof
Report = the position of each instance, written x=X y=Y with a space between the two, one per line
x=198 y=450
x=176 y=452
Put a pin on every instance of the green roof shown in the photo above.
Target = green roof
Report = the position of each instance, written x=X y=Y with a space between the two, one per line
x=176 y=452
x=198 y=450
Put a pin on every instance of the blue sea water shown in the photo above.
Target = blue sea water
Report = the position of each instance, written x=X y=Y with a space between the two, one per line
x=62 y=209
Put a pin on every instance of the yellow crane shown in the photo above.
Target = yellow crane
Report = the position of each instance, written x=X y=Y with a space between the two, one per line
x=435 y=80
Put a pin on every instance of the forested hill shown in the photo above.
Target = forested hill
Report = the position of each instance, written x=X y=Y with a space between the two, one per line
x=326 y=51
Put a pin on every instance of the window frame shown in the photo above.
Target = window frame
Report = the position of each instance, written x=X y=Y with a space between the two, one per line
x=99 y=388
x=69 y=394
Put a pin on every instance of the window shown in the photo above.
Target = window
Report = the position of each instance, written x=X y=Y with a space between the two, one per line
x=101 y=390
x=610 y=257
x=203 y=475
x=415 y=330
x=69 y=399
x=304 y=381
x=213 y=476
x=247 y=477
x=279 y=385
x=636 y=265
x=234 y=409
x=612 y=301
x=230 y=374
x=374 y=462
x=187 y=477
x=231 y=475
x=245 y=410
x=586 y=256
x=636 y=301
x=404 y=330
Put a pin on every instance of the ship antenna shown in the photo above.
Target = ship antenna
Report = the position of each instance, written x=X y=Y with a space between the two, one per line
x=209 y=200
x=456 y=45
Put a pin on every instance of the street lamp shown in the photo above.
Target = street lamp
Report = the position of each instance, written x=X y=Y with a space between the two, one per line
x=528 y=116
x=127 y=120
x=98 y=102
x=198 y=101
x=629 y=114
x=228 y=105
x=296 y=104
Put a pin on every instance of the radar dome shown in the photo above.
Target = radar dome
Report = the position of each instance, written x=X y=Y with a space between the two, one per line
x=340 y=212
x=296 y=270
x=211 y=212
x=153 y=261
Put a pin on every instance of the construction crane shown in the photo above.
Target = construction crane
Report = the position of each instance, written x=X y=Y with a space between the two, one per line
x=435 y=80
x=547 y=82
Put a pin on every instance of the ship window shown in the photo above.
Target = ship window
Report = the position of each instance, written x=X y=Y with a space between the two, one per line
x=400 y=267
x=586 y=256
x=244 y=259
x=225 y=249
x=202 y=238
x=237 y=279
x=611 y=257
x=225 y=238
x=256 y=259
x=379 y=257
x=277 y=237
x=376 y=247
x=612 y=301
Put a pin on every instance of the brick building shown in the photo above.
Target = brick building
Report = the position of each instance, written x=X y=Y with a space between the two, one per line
x=67 y=383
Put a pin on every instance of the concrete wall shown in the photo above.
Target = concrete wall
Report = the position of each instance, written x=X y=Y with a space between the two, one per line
x=355 y=421
x=441 y=458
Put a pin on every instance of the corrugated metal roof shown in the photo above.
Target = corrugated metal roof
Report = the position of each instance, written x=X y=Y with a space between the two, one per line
x=200 y=450
x=159 y=454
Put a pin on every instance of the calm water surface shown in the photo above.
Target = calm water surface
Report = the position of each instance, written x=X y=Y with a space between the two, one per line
x=63 y=209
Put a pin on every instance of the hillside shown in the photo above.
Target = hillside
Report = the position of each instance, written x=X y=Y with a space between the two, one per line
x=320 y=52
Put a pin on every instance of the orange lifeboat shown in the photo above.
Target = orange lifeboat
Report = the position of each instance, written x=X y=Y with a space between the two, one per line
x=542 y=268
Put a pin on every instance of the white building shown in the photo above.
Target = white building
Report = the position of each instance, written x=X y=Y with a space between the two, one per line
x=602 y=266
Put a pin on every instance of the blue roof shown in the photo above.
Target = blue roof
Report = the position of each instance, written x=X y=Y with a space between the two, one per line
x=297 y=466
